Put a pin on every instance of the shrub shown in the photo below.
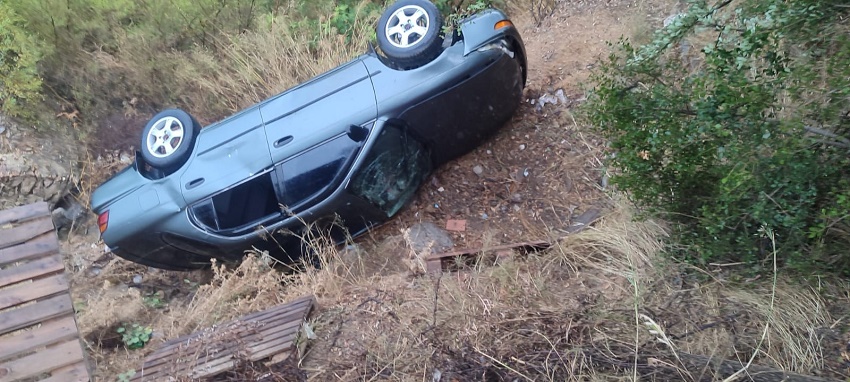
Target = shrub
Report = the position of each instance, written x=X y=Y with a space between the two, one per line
x=19 y=54
x=747 y=133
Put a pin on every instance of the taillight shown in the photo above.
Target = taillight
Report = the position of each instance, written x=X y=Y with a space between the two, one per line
x=102 y=221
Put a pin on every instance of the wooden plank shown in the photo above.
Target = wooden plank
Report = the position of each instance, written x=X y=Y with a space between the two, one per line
x=219 y=365
x=275 y=345
x=297 y=304
x=20 y=318
x=31 y=270
x=203 y=354
x=267 y=340
x=583 y=221
x=24 y=212
x=162 y=355
x=71 y=373
x=434 y=262
x=278 y=313
x=263 y=329
x=40 y=246
x=28 y=230
x=26 y=292
x=64 y=354
x=200 y=351
x=273 y=342
x=48 y=333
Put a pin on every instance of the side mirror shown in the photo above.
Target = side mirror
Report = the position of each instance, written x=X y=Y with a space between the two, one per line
x=357 y=133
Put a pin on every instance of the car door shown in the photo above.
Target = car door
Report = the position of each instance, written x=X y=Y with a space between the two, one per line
x=226 y=154
x=318 y=110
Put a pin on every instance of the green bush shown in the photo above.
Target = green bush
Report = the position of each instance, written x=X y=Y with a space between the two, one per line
x=20 y=83
x=749 y=132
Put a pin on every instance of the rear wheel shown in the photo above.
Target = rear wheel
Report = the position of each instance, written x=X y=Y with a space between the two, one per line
x=168 y=138
x=409 y=33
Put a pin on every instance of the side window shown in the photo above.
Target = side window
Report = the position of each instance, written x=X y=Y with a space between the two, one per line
x=315 y=172
x=239 y=208
x=394 y=169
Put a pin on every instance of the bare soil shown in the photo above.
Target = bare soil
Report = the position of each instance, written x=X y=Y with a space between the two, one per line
x=380 y=318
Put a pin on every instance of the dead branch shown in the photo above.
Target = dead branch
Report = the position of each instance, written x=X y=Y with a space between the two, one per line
x=842 y=141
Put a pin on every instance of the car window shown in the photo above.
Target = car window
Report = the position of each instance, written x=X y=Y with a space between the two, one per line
x=392 y=172
x=241 y=207
x=313 y=173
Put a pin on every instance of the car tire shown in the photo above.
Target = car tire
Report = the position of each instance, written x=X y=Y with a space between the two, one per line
x=409 y=33
x=168 y=138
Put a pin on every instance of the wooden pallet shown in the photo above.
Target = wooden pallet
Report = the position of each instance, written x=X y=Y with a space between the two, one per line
x=214 y=350
x=39 y=340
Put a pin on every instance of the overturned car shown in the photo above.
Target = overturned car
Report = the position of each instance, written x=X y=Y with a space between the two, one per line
x=351 y=145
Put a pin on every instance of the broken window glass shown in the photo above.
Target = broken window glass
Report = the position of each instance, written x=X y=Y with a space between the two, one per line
x=392 y=172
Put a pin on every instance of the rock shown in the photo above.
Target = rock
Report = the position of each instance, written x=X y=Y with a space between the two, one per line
x=478 y=170
x=516 y=198
x=37 y=165
x=66 y=216
x=58 y=215
x=427 y=236
x=562 y=98
x=558 y=98
x=137 y=279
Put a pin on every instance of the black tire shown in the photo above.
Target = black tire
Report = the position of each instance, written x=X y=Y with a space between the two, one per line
x=403 y=46
x=163 y=150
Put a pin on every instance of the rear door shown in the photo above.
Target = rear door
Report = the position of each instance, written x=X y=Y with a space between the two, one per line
x=226 y=154
x=318 y=110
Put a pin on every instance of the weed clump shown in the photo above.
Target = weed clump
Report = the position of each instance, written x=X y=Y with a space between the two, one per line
x=741 y=131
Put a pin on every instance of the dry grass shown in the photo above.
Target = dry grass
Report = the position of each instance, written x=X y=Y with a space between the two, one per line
x=249 y=67
x=576 y=312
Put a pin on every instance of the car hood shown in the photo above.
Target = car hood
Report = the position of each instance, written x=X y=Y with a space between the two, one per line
x=118 y=186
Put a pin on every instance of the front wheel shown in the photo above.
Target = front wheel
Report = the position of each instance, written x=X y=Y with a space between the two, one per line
x=168 y=138
x=409 y=33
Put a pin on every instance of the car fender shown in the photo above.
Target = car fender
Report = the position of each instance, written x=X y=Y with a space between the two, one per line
x=480 y=29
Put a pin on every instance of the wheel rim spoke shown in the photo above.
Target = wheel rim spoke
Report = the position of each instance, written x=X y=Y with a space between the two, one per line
x=419 y=13
x=392 y=32
x=170 y=146
x=156 y=146
x=420 y=31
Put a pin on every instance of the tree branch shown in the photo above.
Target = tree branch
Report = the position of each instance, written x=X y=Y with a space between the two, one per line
x=842 y=141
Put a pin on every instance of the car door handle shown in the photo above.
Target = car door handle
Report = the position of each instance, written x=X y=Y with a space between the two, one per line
x=283 y=141
x=194 y=183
